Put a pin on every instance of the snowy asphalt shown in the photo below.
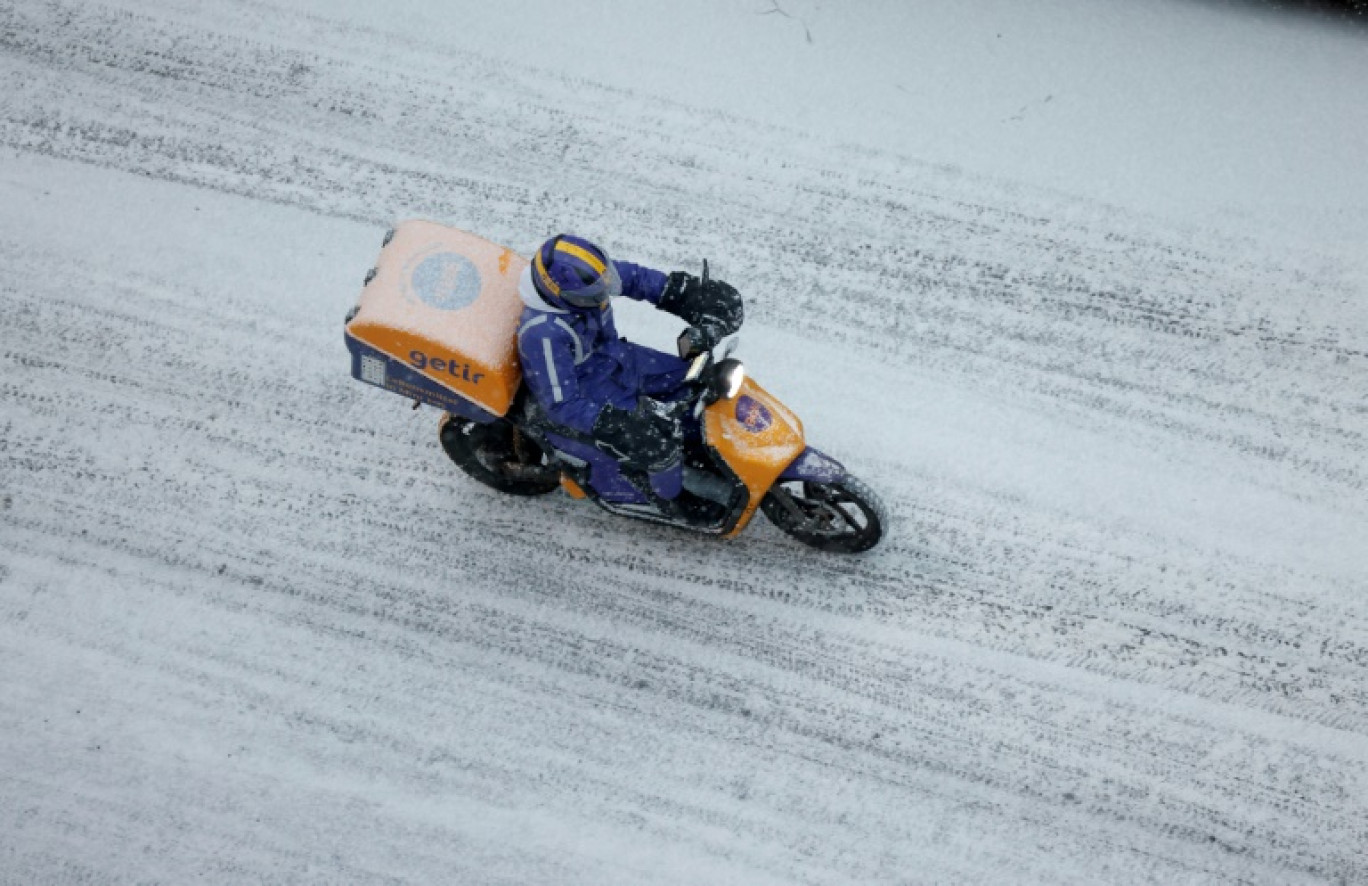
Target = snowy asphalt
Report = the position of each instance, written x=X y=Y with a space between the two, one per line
x=253 y=627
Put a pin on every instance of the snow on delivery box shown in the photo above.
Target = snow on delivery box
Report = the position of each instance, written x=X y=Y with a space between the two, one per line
x=437 y=320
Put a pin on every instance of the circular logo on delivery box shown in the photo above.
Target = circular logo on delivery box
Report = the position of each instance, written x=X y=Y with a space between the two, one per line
x=753 y=415
x=446 y=281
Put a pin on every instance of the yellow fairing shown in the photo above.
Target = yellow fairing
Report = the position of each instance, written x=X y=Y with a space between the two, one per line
x=445 y=303
x=572 y=488
x=757 y=436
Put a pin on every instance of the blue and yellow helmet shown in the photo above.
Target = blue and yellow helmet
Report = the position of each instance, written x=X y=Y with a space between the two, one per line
x=573 y=274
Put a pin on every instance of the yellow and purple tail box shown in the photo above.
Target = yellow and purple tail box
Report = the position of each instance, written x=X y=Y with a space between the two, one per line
x=438 y=318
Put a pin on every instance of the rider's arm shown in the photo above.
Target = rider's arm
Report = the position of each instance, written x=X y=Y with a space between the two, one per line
x=547 y=352
x=640 y=282
x=713 y=306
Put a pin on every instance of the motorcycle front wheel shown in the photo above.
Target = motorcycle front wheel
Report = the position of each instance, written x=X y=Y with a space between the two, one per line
x=844 y=517
x=498 y=456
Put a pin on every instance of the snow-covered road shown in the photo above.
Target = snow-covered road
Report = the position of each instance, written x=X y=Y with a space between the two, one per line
x=254 y=627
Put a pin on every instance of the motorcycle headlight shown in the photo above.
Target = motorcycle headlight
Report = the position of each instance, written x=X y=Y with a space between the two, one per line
x=730 y=376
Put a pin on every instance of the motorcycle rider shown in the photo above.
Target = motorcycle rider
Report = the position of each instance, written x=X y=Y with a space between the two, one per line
x=594 y=386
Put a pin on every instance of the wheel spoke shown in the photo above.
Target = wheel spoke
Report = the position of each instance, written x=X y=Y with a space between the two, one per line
x=819 y=511
x=850 y=520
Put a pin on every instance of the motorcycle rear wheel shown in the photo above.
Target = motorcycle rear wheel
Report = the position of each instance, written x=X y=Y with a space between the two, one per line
x=498 y=456
x=844 y=517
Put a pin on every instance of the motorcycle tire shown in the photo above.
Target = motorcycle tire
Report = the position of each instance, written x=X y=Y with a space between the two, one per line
x=844 y=517
x=497 y=455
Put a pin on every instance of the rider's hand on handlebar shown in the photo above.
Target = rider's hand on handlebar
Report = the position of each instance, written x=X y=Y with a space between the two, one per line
x=692 y=342
x=713 y=307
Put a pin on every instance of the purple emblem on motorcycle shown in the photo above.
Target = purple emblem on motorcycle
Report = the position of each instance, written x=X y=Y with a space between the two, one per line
x=753 y=415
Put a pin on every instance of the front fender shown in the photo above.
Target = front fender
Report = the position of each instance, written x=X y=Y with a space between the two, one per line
x=815 y=466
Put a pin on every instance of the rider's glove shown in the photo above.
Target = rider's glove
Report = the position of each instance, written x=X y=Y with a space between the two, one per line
x=680 y=289
x=649 y=438
x=713 y=307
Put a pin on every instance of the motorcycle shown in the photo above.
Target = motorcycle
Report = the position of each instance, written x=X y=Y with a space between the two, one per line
x=437 y=322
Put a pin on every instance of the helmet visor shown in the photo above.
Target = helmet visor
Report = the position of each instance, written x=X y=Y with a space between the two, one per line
x=596 y=294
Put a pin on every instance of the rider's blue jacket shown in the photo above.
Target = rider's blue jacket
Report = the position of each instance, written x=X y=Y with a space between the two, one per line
x=575 y=363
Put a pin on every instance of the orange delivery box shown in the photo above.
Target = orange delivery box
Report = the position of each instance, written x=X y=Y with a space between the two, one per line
x=437 y=320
